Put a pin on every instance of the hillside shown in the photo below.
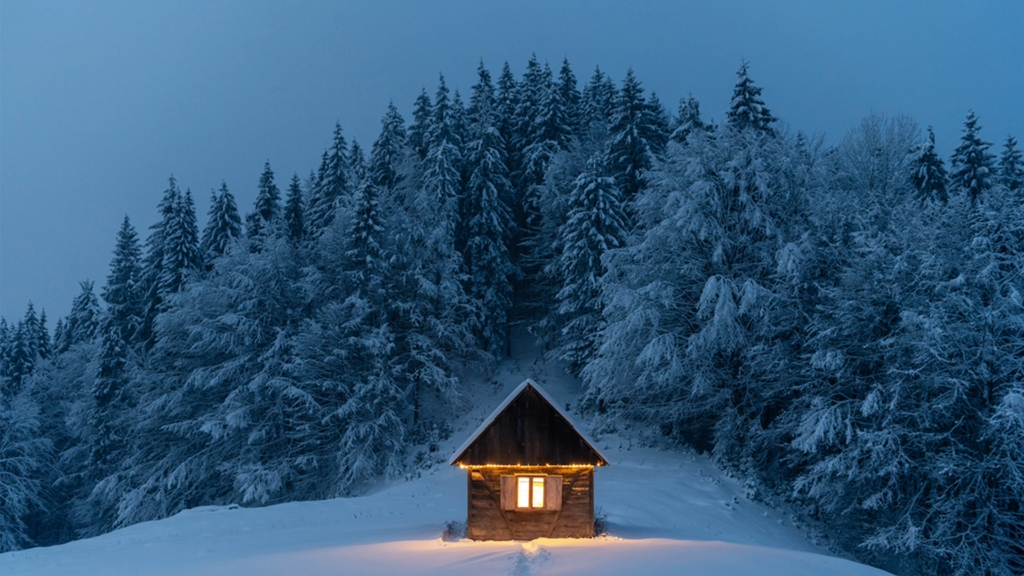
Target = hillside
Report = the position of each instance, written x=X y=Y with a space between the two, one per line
x=666 y=512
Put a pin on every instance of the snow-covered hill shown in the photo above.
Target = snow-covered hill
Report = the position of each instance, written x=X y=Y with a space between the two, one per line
x=666 y=513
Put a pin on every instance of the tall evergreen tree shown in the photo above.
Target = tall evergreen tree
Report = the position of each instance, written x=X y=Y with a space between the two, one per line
x=489 y=221
x=333 y=187
x=123 y=290
x=357 y=165
x=1011 y=168
x=43 y=341
x=443 y=164
x=419 y=132
x=571 y=99
x=658 y=121
x=630 y=150
x=154 y=263
x=223 y=224
x=929 y=174
x=747 y=109
x=388 y=151
x=263 y=219
x=83 y=321
x=293 y=211
x=181 y=256
x=506 y=100
x=598 y=99
x=971 y=164
x=596 y=224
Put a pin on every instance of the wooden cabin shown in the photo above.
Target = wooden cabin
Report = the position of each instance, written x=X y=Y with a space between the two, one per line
x=530 y=472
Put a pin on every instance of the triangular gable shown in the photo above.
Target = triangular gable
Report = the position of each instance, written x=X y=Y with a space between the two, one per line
x=528 y=429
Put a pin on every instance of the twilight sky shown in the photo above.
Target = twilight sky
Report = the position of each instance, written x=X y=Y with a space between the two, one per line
x=101 y=101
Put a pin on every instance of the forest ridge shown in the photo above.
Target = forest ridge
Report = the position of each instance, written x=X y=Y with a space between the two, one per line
x=840 y=325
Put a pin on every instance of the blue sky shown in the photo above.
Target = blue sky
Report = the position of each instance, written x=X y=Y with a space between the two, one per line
x=101 y=101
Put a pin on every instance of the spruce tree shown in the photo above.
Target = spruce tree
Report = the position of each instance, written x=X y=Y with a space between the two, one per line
x=747 y=109
x=482 y=104
x=443 y=164
x=181 y=256
x=506 y=100
x=658 y=121
x=263 y=219
x=123 y=290
x=388 y=151
x=419 y=132
x=630 y=149
x=43 y=342
x=596 y=224
x=357 y=165
x=83 y=321
x=1011 y=168
x=154 y=263
x=293 y=211
x=929 y=172
x=223 y=225
x=598 y=99
x=571 y=98
x=688 y=120
x=333 y=186
x=971 y=164
x=365 y=253
x=489 y=221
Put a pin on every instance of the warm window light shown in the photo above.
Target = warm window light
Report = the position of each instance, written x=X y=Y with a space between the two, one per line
x=529 y=492
x=523 y=497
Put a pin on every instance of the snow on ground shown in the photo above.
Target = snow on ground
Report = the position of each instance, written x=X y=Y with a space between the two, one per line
x=666 y=513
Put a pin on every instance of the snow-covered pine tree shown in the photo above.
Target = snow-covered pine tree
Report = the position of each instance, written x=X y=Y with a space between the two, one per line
x=596 y=223
x=23 y=459
x=571 y=99
x=747 y=109
x=929 y=173
x=123 y=290
x=688 y=120
x=44 y=345
x=223 y=225
x=154 y=262
x=20 y=357
x=442 y=178
x=489 y=221
x=293 y=212
x=630 y=152
x=549 y=132
x=357 y=165
x=388 y=151
x=83 y=321
x=181 y=257
x=598 y=99
x=659 y=123
x=1011 y=167
x=332 y=190
x=419 y=131
x=263 y=220
x=506 y=101
x=971 y=164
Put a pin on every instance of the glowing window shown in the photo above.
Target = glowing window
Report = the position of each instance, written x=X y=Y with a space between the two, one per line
x=529 y=492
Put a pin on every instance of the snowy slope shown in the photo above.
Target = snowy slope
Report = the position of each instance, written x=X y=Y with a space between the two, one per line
x=667 y=513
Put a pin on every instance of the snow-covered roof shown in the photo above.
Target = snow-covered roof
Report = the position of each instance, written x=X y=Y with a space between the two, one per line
x=501 y=408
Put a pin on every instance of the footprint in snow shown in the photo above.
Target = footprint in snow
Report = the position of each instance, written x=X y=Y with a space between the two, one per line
x=529 y=557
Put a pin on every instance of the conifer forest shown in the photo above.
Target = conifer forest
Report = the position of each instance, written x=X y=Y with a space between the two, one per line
x=839 y=326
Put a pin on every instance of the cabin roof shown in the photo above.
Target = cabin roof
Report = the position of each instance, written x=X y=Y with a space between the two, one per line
x=582 y=448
